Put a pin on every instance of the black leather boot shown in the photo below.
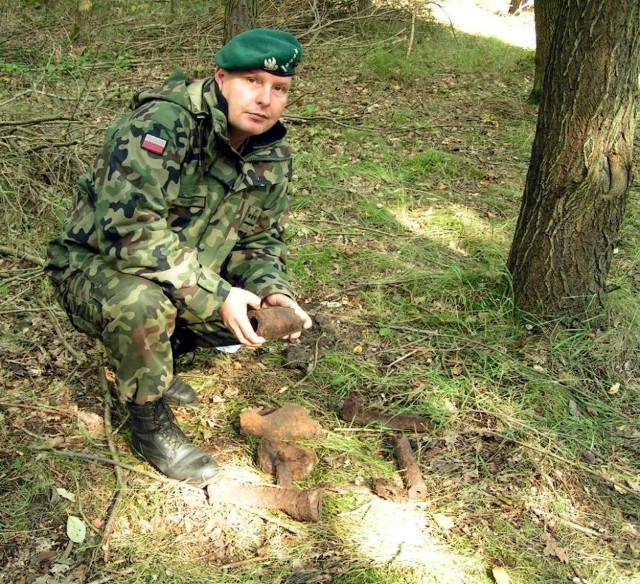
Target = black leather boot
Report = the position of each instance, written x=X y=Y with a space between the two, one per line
x=158 y=439
x=180 y=393
x=182 y=342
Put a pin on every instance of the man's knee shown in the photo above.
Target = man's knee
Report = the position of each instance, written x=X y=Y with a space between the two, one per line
x=114 y=304
x=139 y=311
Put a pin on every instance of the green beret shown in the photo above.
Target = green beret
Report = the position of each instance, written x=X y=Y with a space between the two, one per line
x=275 y=51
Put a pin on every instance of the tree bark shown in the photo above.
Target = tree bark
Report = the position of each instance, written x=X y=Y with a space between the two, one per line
x=514 y=6
x=239 y=15
x=581 y=161
x=82 y=25
x=546 y=17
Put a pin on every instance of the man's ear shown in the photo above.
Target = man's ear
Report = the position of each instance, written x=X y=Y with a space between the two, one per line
x=219 y=76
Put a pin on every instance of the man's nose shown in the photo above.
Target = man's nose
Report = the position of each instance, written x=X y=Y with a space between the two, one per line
x=264 y=95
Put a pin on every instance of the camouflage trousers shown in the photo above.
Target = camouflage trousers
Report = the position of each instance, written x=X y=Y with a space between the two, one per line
x=139 y=327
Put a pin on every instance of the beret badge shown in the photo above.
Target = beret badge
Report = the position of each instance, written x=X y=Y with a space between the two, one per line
x=270 y=64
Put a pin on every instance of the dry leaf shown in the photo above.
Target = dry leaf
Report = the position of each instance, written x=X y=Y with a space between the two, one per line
x=66 y=494
x=457 y=246
x=500 y=575
x=573 y=408
x=76 y=529
x=615 y=388
x=634 y=486
x=92 y=422
x=554 y=550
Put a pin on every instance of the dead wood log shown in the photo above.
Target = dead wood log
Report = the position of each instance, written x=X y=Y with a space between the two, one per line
x=409 y=469
x=354 y=410
x=297 y=504
x=275 y=322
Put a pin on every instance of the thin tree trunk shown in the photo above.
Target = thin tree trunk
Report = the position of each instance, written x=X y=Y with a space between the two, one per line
x=581 y=161
x=239 y=15
x=82 y=26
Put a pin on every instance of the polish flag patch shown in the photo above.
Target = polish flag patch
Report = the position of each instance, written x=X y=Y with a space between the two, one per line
x=154 y=144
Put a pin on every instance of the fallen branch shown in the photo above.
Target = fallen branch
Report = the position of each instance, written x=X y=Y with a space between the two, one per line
x=46 y=409
x=110 y=461
x=121 y=484
x=56 y=145
x=56 y=325
x=23 y=255
x=37 y=121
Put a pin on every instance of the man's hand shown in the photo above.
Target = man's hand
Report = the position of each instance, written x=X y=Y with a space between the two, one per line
x=234 y=316
x=284 y=300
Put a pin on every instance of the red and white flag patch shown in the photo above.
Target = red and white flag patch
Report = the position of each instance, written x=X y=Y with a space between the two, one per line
x=154 y=144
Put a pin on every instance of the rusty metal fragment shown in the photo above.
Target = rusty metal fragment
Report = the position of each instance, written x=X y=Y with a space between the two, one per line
x=286 y=460
x=354 y=410
x=409 y=469
x=275 y=322
x=299 y=505
x=290 y=422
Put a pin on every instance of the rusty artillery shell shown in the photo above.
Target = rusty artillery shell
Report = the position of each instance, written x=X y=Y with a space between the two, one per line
x=275 y=322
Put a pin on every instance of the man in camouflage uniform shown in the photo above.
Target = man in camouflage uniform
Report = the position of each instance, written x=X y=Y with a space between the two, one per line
x=177 y=231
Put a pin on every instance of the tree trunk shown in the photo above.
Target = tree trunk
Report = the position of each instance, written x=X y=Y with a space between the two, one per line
x=546 y=17
x=239 y=15
x=81 y=32
x=514 y=6
x=581 y=161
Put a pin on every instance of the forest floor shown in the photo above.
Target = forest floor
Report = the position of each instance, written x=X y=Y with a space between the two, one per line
x=409 y=170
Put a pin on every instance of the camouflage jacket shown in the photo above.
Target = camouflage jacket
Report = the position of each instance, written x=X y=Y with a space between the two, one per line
x=168 y=199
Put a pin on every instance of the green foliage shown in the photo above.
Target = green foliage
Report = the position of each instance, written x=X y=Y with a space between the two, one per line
x=13 y=68
x=389 y=67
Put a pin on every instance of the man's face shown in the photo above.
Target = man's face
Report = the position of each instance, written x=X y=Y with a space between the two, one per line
x=256 y=101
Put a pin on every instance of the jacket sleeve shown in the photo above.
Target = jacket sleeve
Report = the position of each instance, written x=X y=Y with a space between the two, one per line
x=258 y=260
x=134 y=188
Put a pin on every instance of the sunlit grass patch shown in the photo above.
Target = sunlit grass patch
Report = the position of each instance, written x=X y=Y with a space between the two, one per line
x=389 y=67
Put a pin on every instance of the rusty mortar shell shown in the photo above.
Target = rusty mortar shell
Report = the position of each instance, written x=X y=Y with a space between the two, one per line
x=275 y=322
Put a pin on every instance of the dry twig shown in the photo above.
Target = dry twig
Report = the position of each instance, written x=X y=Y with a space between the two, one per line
x=121 y=483
x=56 y=325
x=23 y=255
